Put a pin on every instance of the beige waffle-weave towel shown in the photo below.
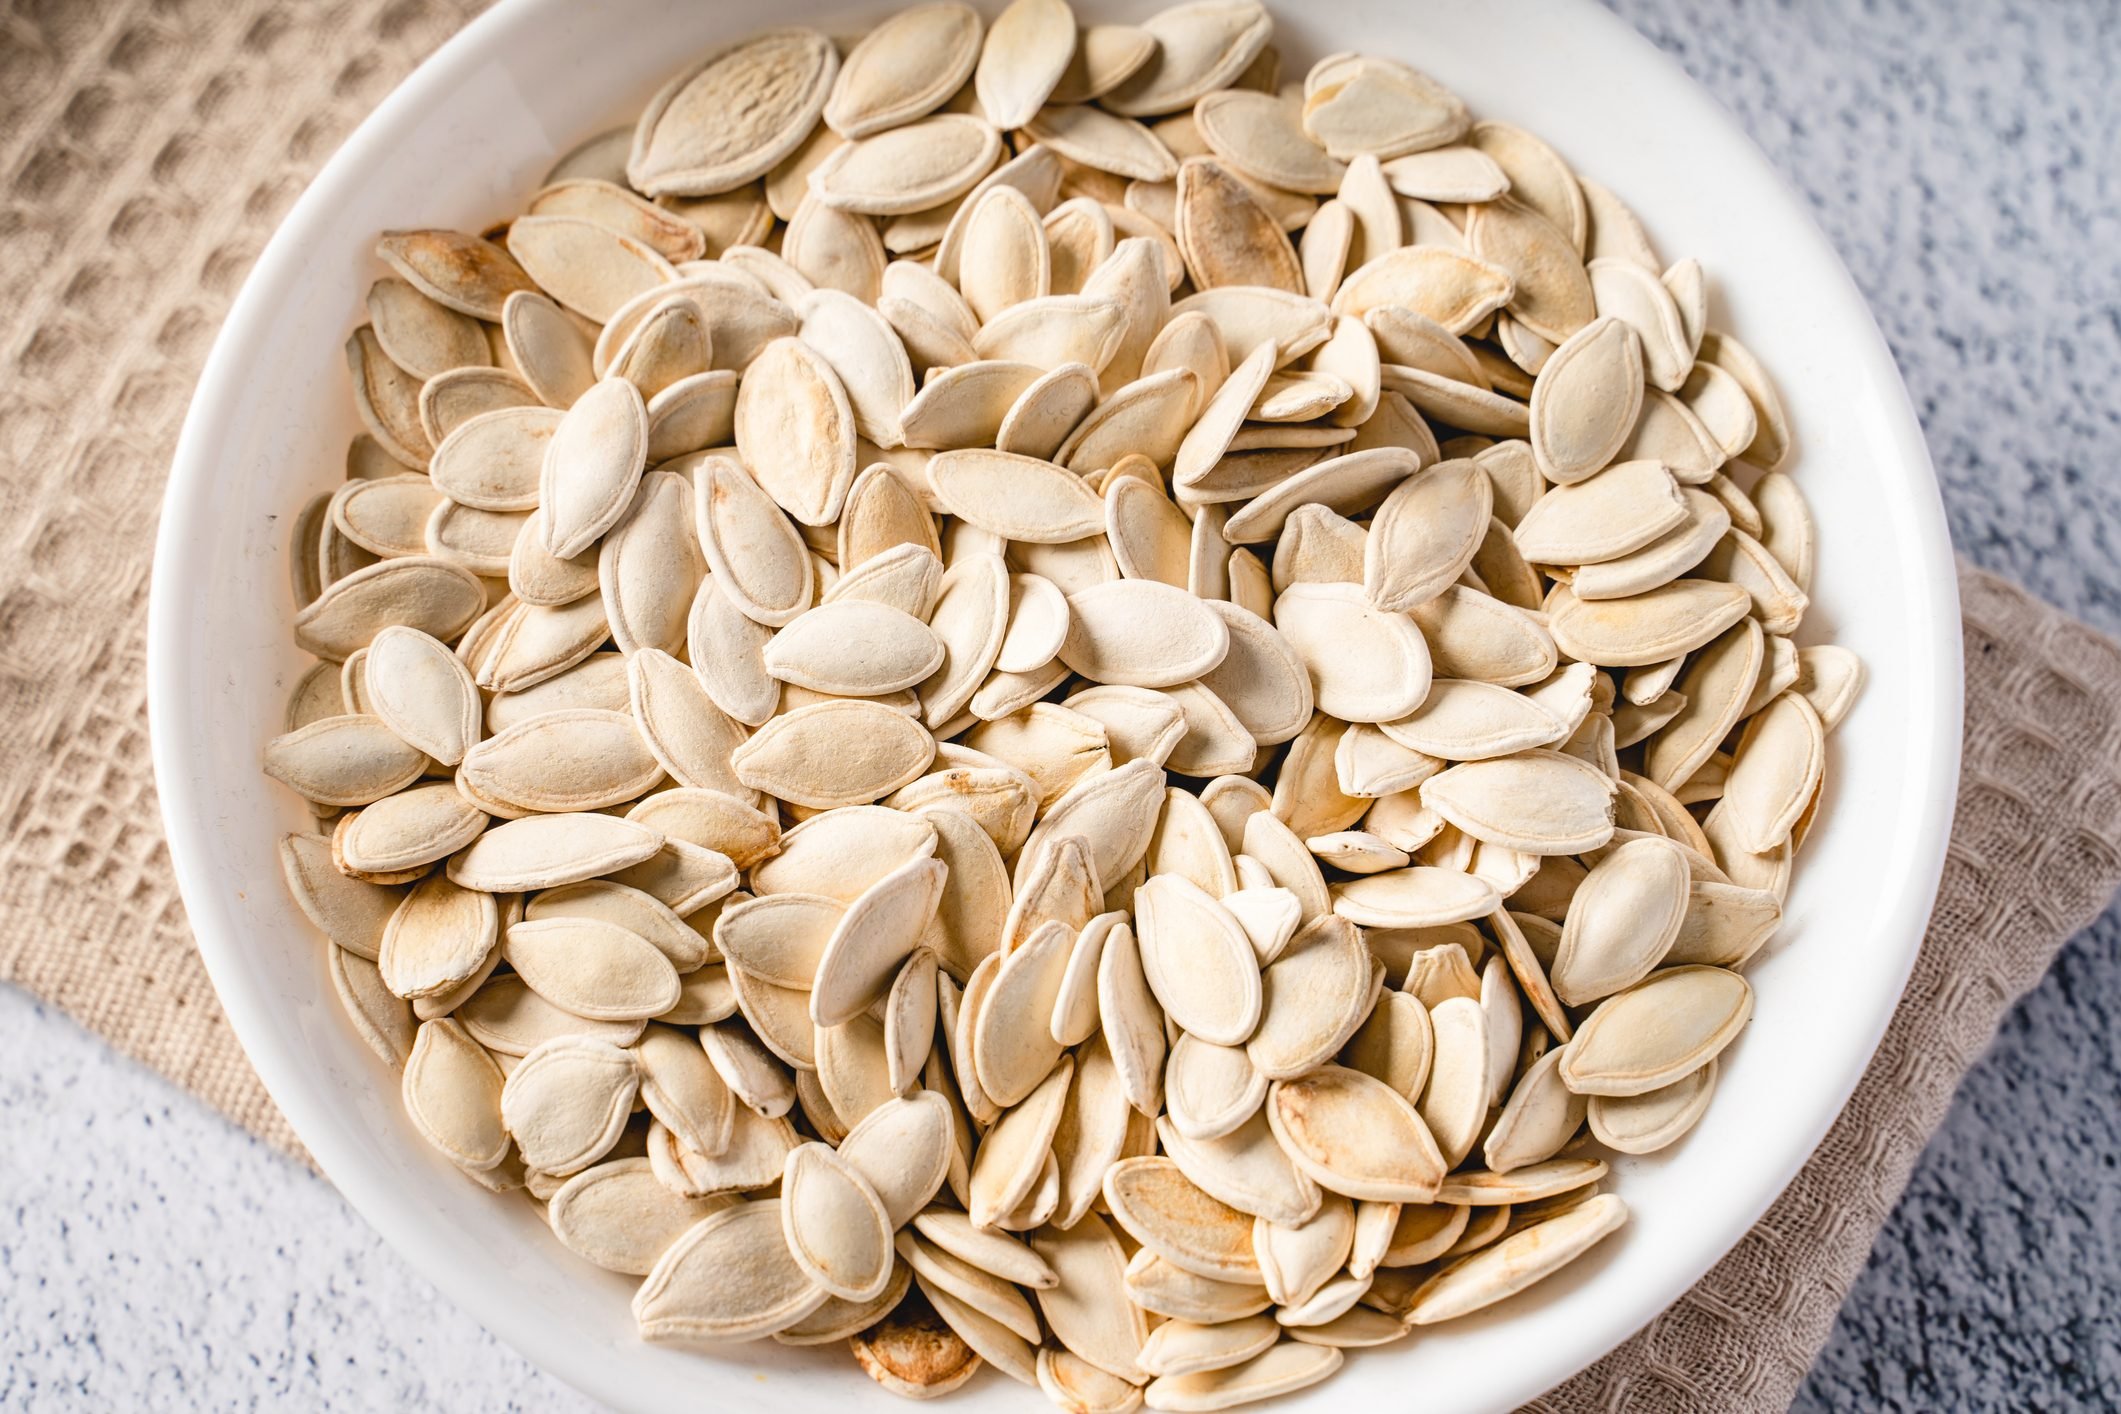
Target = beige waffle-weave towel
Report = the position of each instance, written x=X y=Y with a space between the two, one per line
x=147 y=150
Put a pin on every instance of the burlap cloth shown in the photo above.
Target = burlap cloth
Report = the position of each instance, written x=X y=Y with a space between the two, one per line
x=148 y=148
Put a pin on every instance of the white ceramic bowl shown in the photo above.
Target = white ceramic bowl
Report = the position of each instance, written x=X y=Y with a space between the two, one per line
x=468 y=136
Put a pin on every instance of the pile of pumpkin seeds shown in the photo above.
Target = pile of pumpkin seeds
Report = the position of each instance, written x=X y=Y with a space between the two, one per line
x=1026 y=694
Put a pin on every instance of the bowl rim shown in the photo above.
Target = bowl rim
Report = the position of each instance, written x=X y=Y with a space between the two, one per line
x=173 y=722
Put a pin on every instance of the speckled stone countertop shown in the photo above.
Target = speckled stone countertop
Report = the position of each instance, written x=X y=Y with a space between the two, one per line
x=1965 y=156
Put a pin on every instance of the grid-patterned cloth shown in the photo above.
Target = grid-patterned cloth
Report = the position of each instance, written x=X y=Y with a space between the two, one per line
x=148 y=147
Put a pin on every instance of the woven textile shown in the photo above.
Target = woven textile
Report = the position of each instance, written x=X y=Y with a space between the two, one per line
x=146 y=151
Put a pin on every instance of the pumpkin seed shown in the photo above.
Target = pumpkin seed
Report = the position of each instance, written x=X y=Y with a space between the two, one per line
x=1074 y=1383
x=1516 y=1262
x=1650 y=627
x=1541 y=802
x=432 y=595
x=1454 y=290
x=481 y=541
x=1552 y=292
x=593 y=461
x=1426 y=533
x=668 y=343
x=1356 y=104
x=609 y=204
x=437 y=937
x=795 y=429
x=839 y=1320
x=992 y=1252
x=452 y=1095
x=1774 y=773
x=351 y=913
x=1263 y=136
x=911 y=1351
x=691 y=414
x=836 y=1227
x=1655 y=1119
x=1011 y=1159
x=344 y=760
x=1105 y=56
x=1775 y=598
x=1328 y=1304
x=1171 y=1291
x=1657 y=1031
x=1282 y=1369
x=1349 y=483
x=910 y=168
x=1027 y=49
x=1055 y=331
x=649 y=566
x=1661 y=561
x=1281 y=853
x=567 y=1101
x=594 y=969
x=1210 y=1090
x=1226 y=236
x=853 y=648
x=1200 y=47
x=1830 y=678
x=1198 y=960
x=1529 y=1184
x=1626 y=291
x=579 y=759
x=863 y=352
x=587 y=266
x=899 y=1150
x=385 y=517
x=1366 y=665
x=1464 y=720
x=627 y=908
x=1164 y=1211
x=1090 y=1266
x=1586 y=400
x=965 y=406
x=871 y=938
x=1130 y=1020
x=387 y=399
x=907 y=66
x=618 y=1216
x=1622 y=921
x=996 y=1343
x=1379 y=222
x=732 y=1276
x=844 y=752
x=1416 y=897
x=1455 y=174
x=460 y=272
x=1180 y=1347
x=1016 y=497
x=734 y=115
x=1541 y=1116
x=1455 y=1102
x=1355 y=1135
x=1246 y=1169
x=1296 y=1262
x=1145 y=418
x=1315 y=994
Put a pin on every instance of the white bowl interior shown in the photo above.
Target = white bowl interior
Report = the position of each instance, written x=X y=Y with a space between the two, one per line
x=466 y=139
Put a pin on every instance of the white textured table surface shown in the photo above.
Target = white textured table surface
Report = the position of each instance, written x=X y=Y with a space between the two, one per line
x=1965 y=158
x=154 y=1256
